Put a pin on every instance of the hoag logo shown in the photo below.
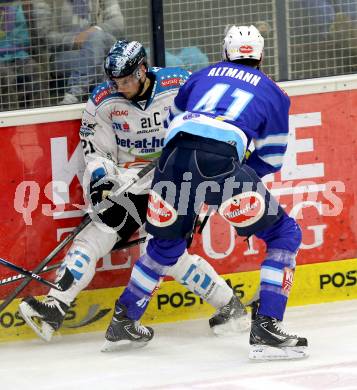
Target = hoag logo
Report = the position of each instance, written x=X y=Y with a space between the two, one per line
x=119 y=113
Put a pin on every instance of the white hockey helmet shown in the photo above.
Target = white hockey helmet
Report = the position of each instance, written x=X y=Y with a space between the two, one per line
x=243 y=42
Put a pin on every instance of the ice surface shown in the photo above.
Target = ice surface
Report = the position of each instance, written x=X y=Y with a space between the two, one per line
x=187 y=356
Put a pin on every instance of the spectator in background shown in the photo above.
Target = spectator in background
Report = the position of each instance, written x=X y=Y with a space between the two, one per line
x=344 y=34
x=317 y=18
x=173 y=60
x=18 y=71
x=325 y=32
x=346 y=7
x=312 y=20
x=191 y=58
x=78 y=33
x=346 y=20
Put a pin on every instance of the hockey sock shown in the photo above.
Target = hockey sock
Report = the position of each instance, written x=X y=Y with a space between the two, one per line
x=283 y=239
x=147 y=273
x=276 y=278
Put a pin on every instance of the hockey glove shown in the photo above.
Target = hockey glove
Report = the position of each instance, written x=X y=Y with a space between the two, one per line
x=100 y=189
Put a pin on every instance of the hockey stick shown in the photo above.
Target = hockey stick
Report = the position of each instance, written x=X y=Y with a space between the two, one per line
x=120 y=246
x=68 y=277
x=103 y=205
x=44 y=262
x=141 y=240
x=198 y=227
x=205 y=219
x=16 y=278
x=128 y=244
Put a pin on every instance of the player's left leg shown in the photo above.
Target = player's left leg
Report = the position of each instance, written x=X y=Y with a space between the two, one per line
x=46 y=316
x=146 y=276
x=198 y=276
x=252 y=210
x=267 y=338
x=95 y=241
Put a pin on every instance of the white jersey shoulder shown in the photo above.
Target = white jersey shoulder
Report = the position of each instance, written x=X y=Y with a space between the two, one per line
x=128 y=133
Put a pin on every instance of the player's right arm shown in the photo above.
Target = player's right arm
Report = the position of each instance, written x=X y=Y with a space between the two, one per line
x=99 y=149
x=271 y=144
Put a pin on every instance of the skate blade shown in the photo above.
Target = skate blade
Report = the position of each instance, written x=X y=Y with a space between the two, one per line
x=233 y=326
x=122 y=345
x=33 y=320
x=266 y=353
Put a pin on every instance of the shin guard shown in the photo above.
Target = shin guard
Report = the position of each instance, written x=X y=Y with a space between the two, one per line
x=198 y=276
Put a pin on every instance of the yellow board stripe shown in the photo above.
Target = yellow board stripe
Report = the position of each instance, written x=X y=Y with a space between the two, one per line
x=314 y=283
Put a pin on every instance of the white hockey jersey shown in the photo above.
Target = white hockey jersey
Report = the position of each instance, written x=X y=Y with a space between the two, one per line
x=120 y=136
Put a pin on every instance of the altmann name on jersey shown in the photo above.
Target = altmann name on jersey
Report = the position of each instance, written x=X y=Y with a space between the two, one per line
x=235 y=73
x=144 y=145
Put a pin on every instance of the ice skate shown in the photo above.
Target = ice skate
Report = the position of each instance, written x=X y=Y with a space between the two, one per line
x=232 y=317
x=43 y=317
x=124 y=333
x=269 y=342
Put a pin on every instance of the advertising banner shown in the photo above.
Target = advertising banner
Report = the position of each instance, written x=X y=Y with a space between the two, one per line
x=92 y=309
x=42 y=197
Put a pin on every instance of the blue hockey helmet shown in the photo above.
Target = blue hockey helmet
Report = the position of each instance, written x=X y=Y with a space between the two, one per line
x=123 y=58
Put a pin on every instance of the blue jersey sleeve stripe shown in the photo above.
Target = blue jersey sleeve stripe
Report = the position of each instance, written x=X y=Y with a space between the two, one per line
x=275 y=160
x=262 y=168
x=271 y=149
x=273 y=146
x=279 y=139
x=281 y=134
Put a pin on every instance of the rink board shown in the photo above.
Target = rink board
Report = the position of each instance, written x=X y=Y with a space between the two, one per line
x=317 y=186
x=314 y=283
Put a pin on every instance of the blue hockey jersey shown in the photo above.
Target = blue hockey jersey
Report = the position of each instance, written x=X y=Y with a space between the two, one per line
x=246 y=98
